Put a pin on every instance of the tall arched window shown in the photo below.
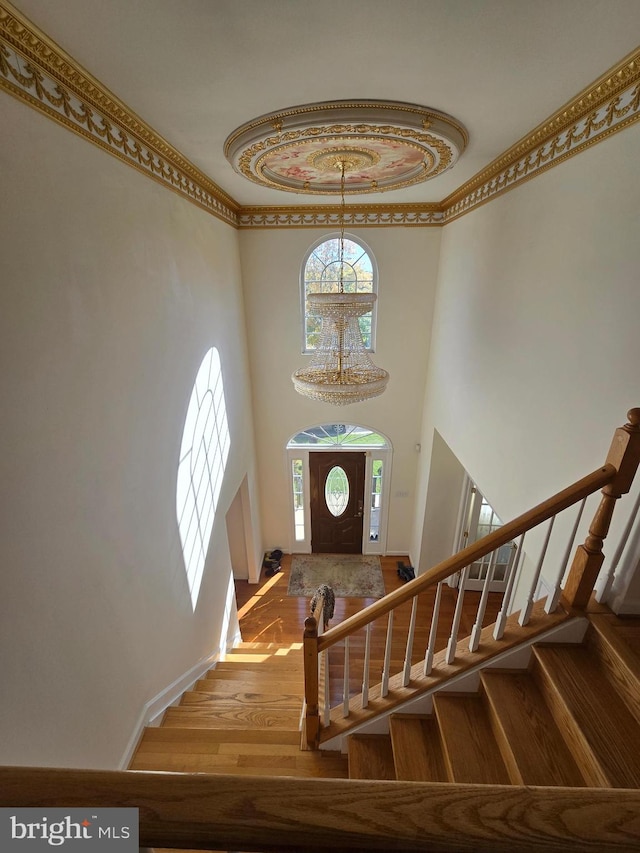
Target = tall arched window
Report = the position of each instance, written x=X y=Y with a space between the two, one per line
x=203 y=456
x=321 y=274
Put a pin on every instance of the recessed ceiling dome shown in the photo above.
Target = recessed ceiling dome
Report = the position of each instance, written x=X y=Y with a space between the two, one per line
x=383 y=145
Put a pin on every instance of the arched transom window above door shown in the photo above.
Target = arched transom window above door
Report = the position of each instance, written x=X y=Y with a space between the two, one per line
x=348 y=435
x=321 y=274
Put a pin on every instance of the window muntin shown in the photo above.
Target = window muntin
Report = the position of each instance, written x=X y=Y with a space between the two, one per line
x=203 y=456
x=344 y=435
x=321 y=274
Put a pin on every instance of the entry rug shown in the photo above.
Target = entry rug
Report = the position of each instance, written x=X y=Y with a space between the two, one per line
x=349 y=575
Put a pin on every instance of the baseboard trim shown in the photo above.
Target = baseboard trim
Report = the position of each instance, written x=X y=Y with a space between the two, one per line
x=152 y=711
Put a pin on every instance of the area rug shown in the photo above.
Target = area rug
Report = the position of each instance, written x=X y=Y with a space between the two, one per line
x=349 y=575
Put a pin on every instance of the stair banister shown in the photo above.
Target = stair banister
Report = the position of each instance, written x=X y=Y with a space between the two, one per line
x=542 y=512
x=614 y=478
x=314 y=644
x=624 y=456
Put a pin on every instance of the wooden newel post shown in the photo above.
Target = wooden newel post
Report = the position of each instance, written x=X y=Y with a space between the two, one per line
x=310 y=648
x=624 y=455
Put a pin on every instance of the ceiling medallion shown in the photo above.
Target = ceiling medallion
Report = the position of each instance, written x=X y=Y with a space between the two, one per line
x=384 y=145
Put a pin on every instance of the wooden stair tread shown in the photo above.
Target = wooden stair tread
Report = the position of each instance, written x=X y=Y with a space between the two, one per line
x=233 y=717
x=256 y=664
x=371 y=757
x=283 y=648
x=604 y=735
x=219 y=700
x=304 y=764
x=249 y=682
x=469 y=747
x=417 y=750
x=531 y=744
x=166 y=739
x=231 y=687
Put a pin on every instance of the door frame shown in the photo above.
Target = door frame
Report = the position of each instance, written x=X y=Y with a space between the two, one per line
x=303 y=545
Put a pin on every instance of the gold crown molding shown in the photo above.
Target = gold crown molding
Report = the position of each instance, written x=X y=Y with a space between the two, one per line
x=36 y=70
x=322 y=216
x=605 y=107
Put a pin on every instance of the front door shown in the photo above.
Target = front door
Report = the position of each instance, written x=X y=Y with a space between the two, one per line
x=337 y=502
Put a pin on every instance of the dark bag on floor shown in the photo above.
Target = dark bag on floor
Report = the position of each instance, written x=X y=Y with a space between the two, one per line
x=407 y=573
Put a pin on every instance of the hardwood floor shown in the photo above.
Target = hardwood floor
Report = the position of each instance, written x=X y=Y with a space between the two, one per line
x=268 y=615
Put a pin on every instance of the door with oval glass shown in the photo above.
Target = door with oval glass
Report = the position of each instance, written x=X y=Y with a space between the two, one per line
x=337 y=502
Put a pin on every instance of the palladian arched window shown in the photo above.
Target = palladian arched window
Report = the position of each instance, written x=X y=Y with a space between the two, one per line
x=321 y=274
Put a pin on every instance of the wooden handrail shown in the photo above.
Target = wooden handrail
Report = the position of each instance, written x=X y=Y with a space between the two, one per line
x=202 y=811
x=543 y=511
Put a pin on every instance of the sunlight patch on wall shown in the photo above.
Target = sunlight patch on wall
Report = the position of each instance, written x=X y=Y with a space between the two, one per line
x=203 y=456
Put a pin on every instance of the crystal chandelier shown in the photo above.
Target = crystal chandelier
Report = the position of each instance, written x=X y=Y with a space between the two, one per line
x=340 y=370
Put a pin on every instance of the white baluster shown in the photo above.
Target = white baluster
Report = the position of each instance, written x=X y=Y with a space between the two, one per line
x=474 y=639
x=345 y=685
x=327 y=689
x=552 y=601
x=602 y=591
x=428 y=658
x=525 y=613
x=367 y=659
x=387 y=657
x=406 y=674
x=455 y=627
x=512 y=571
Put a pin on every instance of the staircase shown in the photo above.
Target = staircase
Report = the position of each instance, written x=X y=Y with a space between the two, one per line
x=243 y=719
x=572 y=719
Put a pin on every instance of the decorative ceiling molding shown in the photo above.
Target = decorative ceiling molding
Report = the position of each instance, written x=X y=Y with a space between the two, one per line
x=319 y=216
x=380 y=145
x=35 y=69
x=605 y=107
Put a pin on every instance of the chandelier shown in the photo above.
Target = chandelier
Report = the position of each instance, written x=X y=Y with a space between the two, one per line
x=340 y=370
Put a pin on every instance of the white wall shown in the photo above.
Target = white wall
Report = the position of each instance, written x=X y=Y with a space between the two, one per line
x=113 y=289
x=271 y=261
x=446 y=481
x=535 y=349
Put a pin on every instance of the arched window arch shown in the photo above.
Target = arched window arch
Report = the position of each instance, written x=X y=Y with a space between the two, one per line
x=203 y=457
x=321 y=274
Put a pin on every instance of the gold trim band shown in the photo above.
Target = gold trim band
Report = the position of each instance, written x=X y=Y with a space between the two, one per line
x=605 y=107
x=329 y=216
